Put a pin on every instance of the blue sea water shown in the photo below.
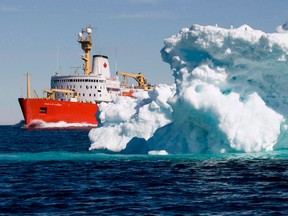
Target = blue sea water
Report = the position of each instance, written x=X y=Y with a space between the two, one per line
x=51 y=172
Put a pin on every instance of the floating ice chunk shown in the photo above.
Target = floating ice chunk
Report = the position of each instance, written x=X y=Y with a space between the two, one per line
x=161 y=152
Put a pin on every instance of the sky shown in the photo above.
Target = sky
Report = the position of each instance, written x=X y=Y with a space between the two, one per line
x=40 y=37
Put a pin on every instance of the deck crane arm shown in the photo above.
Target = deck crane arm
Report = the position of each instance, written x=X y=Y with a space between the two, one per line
x=51 y=92
x=138 y=77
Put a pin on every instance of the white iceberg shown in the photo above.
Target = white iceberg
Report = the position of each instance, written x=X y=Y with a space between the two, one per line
x=230 y=94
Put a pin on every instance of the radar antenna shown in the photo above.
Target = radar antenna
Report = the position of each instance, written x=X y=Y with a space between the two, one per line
x=86 y=45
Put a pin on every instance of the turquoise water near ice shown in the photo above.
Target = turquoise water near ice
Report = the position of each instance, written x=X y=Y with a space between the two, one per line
x=51 y=172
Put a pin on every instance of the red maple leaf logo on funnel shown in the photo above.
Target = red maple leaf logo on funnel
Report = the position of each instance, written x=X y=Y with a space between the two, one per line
x=105 y=65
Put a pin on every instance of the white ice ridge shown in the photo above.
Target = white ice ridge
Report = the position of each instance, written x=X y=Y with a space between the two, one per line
x=127 y=118
x=231 y=95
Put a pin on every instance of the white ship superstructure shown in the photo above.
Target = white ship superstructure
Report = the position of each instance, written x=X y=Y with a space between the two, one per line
x=96 y=87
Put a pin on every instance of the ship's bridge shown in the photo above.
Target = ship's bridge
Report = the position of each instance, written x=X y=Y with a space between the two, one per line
x=92 y=88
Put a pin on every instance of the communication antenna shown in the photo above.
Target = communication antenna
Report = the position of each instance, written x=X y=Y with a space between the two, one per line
x=57 y=60
x=58 y=68
x=116 y=65
x=99 y=48
x=75 y=69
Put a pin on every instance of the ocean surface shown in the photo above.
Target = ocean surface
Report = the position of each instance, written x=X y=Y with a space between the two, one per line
x=51 y=172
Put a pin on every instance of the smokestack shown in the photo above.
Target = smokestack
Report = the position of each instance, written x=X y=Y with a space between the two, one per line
x=101 y=66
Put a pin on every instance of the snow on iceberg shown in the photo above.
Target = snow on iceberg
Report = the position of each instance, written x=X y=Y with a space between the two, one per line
x=231 y=95
x=283 y=28
x=127 y=118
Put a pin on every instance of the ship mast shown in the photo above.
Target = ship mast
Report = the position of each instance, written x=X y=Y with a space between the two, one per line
x=28 y=84
x=86 y=45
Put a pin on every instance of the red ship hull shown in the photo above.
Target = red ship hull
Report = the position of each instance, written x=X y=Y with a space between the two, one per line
x=56 y=111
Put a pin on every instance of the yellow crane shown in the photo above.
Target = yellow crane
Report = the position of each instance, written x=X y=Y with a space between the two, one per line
x=142 y=84
x=51 y=93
